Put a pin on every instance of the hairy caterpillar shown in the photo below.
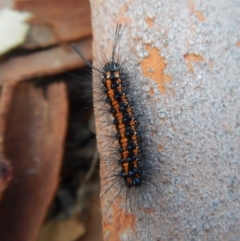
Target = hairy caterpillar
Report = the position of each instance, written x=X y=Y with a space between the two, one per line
x=129 y=163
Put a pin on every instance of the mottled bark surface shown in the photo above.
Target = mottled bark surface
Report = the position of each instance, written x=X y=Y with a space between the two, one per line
x=188 y=55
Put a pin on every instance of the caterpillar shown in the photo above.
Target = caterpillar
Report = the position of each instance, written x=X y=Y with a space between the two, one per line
x=129 y=169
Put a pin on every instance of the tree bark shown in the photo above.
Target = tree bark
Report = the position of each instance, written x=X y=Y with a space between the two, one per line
x=187 y=56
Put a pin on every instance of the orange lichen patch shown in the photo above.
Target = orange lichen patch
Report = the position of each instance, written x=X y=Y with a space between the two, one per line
x=153 y=67
x=151 y=91
x=192 y=58
x=149 y=22
x=238 y=43
x=121 y=17
x=128 y=221
x=160 y=147
x=124 y=224
x=199 y=15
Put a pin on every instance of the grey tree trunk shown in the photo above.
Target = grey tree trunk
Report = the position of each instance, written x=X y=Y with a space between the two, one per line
x=187 y=59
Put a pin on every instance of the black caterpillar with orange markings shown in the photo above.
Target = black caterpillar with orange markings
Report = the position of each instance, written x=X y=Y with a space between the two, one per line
x=115 y=81
x=126 y=125
x=129 y=163
x=129 y=160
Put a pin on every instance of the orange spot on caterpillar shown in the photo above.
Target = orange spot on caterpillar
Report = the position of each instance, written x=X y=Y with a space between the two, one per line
x=153 y=67
x=192 y=58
